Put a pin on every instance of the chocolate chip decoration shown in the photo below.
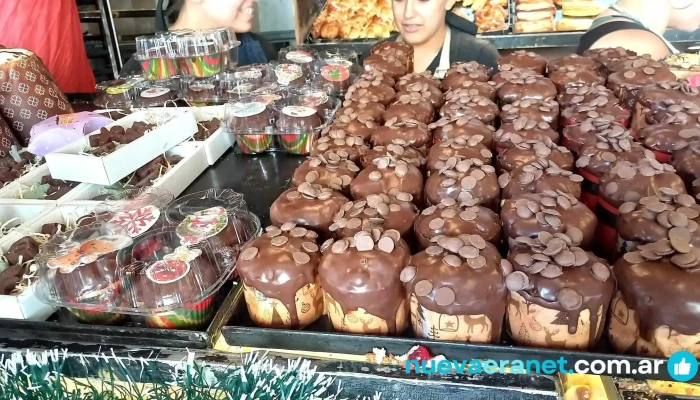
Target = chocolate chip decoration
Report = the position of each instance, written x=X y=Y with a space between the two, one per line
x=249 y=253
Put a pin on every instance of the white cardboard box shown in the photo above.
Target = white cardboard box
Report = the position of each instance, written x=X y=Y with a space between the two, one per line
x=194 y=162
x=32 y=178
x=21 y=211
x=69 y=164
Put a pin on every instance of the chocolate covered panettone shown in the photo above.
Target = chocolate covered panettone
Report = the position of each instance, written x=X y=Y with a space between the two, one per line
x=528 y=88
x=546 y=110
x=386 y=175
x=308 y=205
x=410 y=107
x=461 y=72
x=574 y=136
x=553 y=212
x=414 y=133
x=449 y=151
x=468 y=181
x=656 y=99
x=558 y=293
x=573 y=60
x=573 y=77
x=468 y=106
x=279 y=274
x=339 y=142
x=328 y=170
x=448 y=219
x=398 y=149
x=523 y=129
x=600 y=107
x=364 y=108
x=523 y=59
x=626 y=82
x=417 y=77
x=378 y=211
x=529 y=151
x=425 y=92
x=473 y=89
x=366 y=296
x=539 y=177
x=352 y=124
x=456 y=291
x=466 y=126
x=387 y=64
x=584 y=95
x=665 y=139
x=686 y=161
x=377 y=91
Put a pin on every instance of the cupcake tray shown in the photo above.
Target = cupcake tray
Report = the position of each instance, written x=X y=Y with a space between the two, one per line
x=69 y=164
x=320 y=339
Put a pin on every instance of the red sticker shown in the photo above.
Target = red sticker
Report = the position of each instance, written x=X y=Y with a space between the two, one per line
x=335 y=73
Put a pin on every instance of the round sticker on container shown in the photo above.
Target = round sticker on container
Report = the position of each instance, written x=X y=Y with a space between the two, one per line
x=315 y=99
x=287 y=73
x=299 y=56
x=252 y=73
x=204 y=224
x=339 y=61
x=299 y=111
x=335 y=73
x=119 y=89
x=154 y=92
x=72 y=255
x=268 y=98
x=202 y=86
x=242 y=110
x=137 y=221
x=173 y=266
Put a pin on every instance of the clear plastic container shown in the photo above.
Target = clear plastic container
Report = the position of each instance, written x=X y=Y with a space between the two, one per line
x=200 y=53
x=289 y=74
x=233 y=88
x=157 y=56
x=251 y=121
x=336 y=70
x=229 y=47
x=257 y=73
x=117 y=93
x=202 y=91
x=156 y=93
x=137 y=210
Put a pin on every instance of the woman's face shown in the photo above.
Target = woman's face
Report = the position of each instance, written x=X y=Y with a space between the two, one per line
x=236 y=14
x=684 y=15
x=419 y=20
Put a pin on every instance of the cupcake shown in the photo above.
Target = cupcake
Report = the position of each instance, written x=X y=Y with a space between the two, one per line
x=366 y=296
x=378 y=211
x=398 y=149
x=523 y=59
x=339 y=142
x=665 y=139
x=531 y=87
x=529 y=214
x=329 y=170
x=653 y=312
x=308 y=205
x=575 y=96
x=479 y=107
x=448 y=219
x=574 y=136
x=292 y=298
x=461 y=72
x=468 y=126
x=298 y=127
x=410 y=107
x=529 y=151
x=558 y=293
x=546 y=111
x=457 y=148
x=539 y=177
x=474 y=89
x=414 y=133
x=456 y=291
x=599 y=107
x=522 y=129
x=467 y=181
x=386 y=174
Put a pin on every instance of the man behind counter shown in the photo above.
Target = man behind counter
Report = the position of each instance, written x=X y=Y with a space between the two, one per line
x=439 y=37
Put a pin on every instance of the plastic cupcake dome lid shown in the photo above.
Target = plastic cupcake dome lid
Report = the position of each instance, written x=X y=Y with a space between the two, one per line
x=251 y=114
x=198 y=43
x=78 y=268
x=154 y=46
x=297 y=55
x=137 y=210
x=254 y=72
x=159 y=274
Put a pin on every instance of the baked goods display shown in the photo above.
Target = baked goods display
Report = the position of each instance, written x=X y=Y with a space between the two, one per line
x=489 y=15
x=341 y=19
x=534 y=16
x=577 y=15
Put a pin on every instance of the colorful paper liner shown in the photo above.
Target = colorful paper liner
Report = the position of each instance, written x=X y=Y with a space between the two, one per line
x=202 y=66
x=253 y=144
x=606 y=230
x=589 y=189
x=159 y=68
x=187 y=317
x=97 y=317
x=297 y=144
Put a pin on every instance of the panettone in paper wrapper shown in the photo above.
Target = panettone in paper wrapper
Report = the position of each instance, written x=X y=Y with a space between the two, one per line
x=28 y=93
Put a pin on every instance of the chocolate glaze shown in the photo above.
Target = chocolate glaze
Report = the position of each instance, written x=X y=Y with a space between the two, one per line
x=308 y=205
x=573 y=60
x=460 y=147
x=337 y=141
x=330 y=170
x=468 y=181
x=529 y=151
x=369 y=279
x=574 y=136
x=363 y=108
x=578 y=287
x=662 y=98
x=456 y=220
x=626 y=83
x=631 y=62
x=686 y=161
x=475 y=88
x=546 y=111
x=374 y=91
x=573 y=216
x=667 y=138
x=608 y=56
x=534 y=88
x=514 y=74
x=377 y=211
x=539 y=177
x=446 y=129
x=627 y=181
x=353 y=124
x=600 y=107
x=472 y=291
x=386 y=175
x=424 y=91
x=478 y=107
x=414 y=133
x=573 y=77
x=397 y=149
x=523 y=59
x=521 y=129
x=387 y=64
x=583 y=95
x=690 y=117
x=402 y=51
x=596 y=157
x=410 y=107
x=371 y=76
x=644 y=222
x=276 y=269
x=461 y=72
x=417 y=77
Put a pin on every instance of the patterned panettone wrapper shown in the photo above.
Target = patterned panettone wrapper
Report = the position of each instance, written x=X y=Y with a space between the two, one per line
x=7 y=139
x=28 y=93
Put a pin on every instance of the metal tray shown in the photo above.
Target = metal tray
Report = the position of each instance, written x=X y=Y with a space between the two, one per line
x=319 y=337
x=63 y=327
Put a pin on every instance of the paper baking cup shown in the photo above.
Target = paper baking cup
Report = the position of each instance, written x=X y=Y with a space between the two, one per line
x=188 y=317
x=254 y=144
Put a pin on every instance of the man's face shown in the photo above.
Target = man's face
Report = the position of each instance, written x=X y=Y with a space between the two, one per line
x=419 y=20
